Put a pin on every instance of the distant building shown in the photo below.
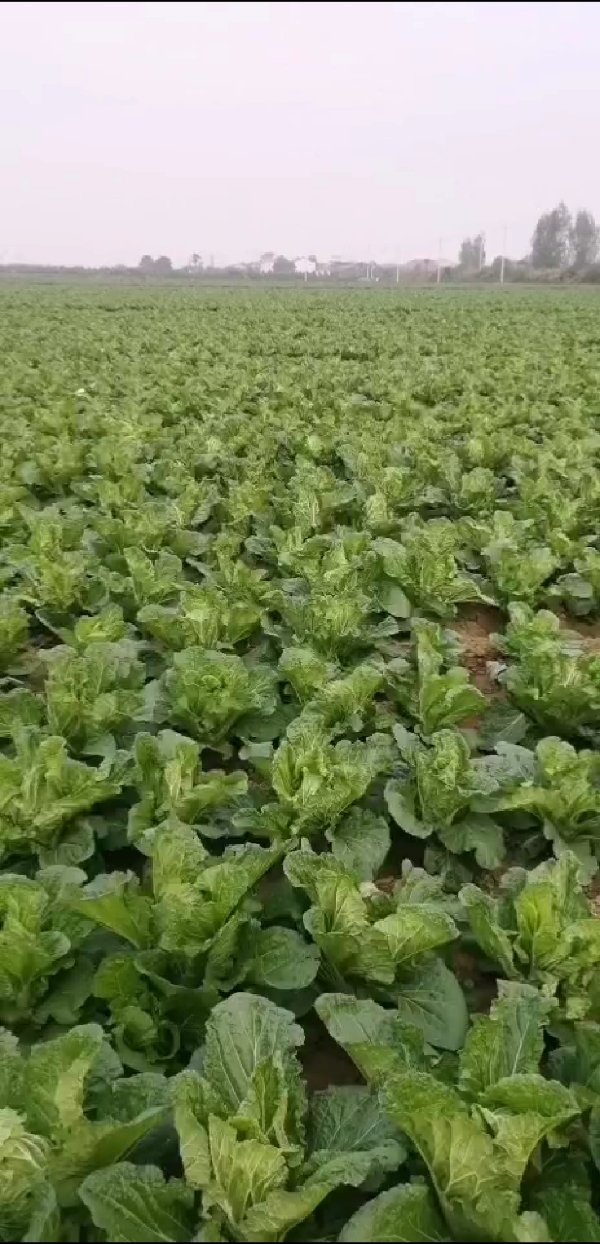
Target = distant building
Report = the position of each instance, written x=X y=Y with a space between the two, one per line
x=305 y=266
x=347 y=269
x=421 y=267
x=266 y=263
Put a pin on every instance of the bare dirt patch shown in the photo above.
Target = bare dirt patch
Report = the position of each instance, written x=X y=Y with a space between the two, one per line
x=324 y=1063
x=588 y=631
x=480 y=986
x=594 y=895
x=475 y=627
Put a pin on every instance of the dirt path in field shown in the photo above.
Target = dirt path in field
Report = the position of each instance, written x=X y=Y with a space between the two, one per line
x=588 y=631
x=477 y=624
x=475 y=627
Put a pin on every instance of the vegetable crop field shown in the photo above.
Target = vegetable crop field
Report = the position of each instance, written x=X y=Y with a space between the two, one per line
x=299 y=765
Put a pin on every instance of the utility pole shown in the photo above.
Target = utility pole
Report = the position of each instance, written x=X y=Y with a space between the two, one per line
x=503 y=256
x=439 y=263
x=397 y=274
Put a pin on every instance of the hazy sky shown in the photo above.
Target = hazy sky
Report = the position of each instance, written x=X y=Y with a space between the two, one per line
x=359 y=129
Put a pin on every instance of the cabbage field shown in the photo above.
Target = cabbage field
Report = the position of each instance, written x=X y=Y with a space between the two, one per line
x=299 y=765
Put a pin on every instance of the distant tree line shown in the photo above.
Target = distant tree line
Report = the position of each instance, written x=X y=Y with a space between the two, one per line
x=158 y=267
x=560 y=241
x=563 y=247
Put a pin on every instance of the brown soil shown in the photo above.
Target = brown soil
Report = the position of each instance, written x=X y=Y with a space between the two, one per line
x=588 y=631
x=480 y=987
x=594 y=895
x=475 y=627
x=324 y=1063
x=387 y=883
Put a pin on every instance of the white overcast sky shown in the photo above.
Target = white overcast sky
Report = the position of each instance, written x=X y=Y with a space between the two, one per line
x=359 y=129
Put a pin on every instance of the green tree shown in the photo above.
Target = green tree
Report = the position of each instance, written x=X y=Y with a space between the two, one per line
x=283 y=266
x=161 y=265
x=551 y=241
x=585 y=237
